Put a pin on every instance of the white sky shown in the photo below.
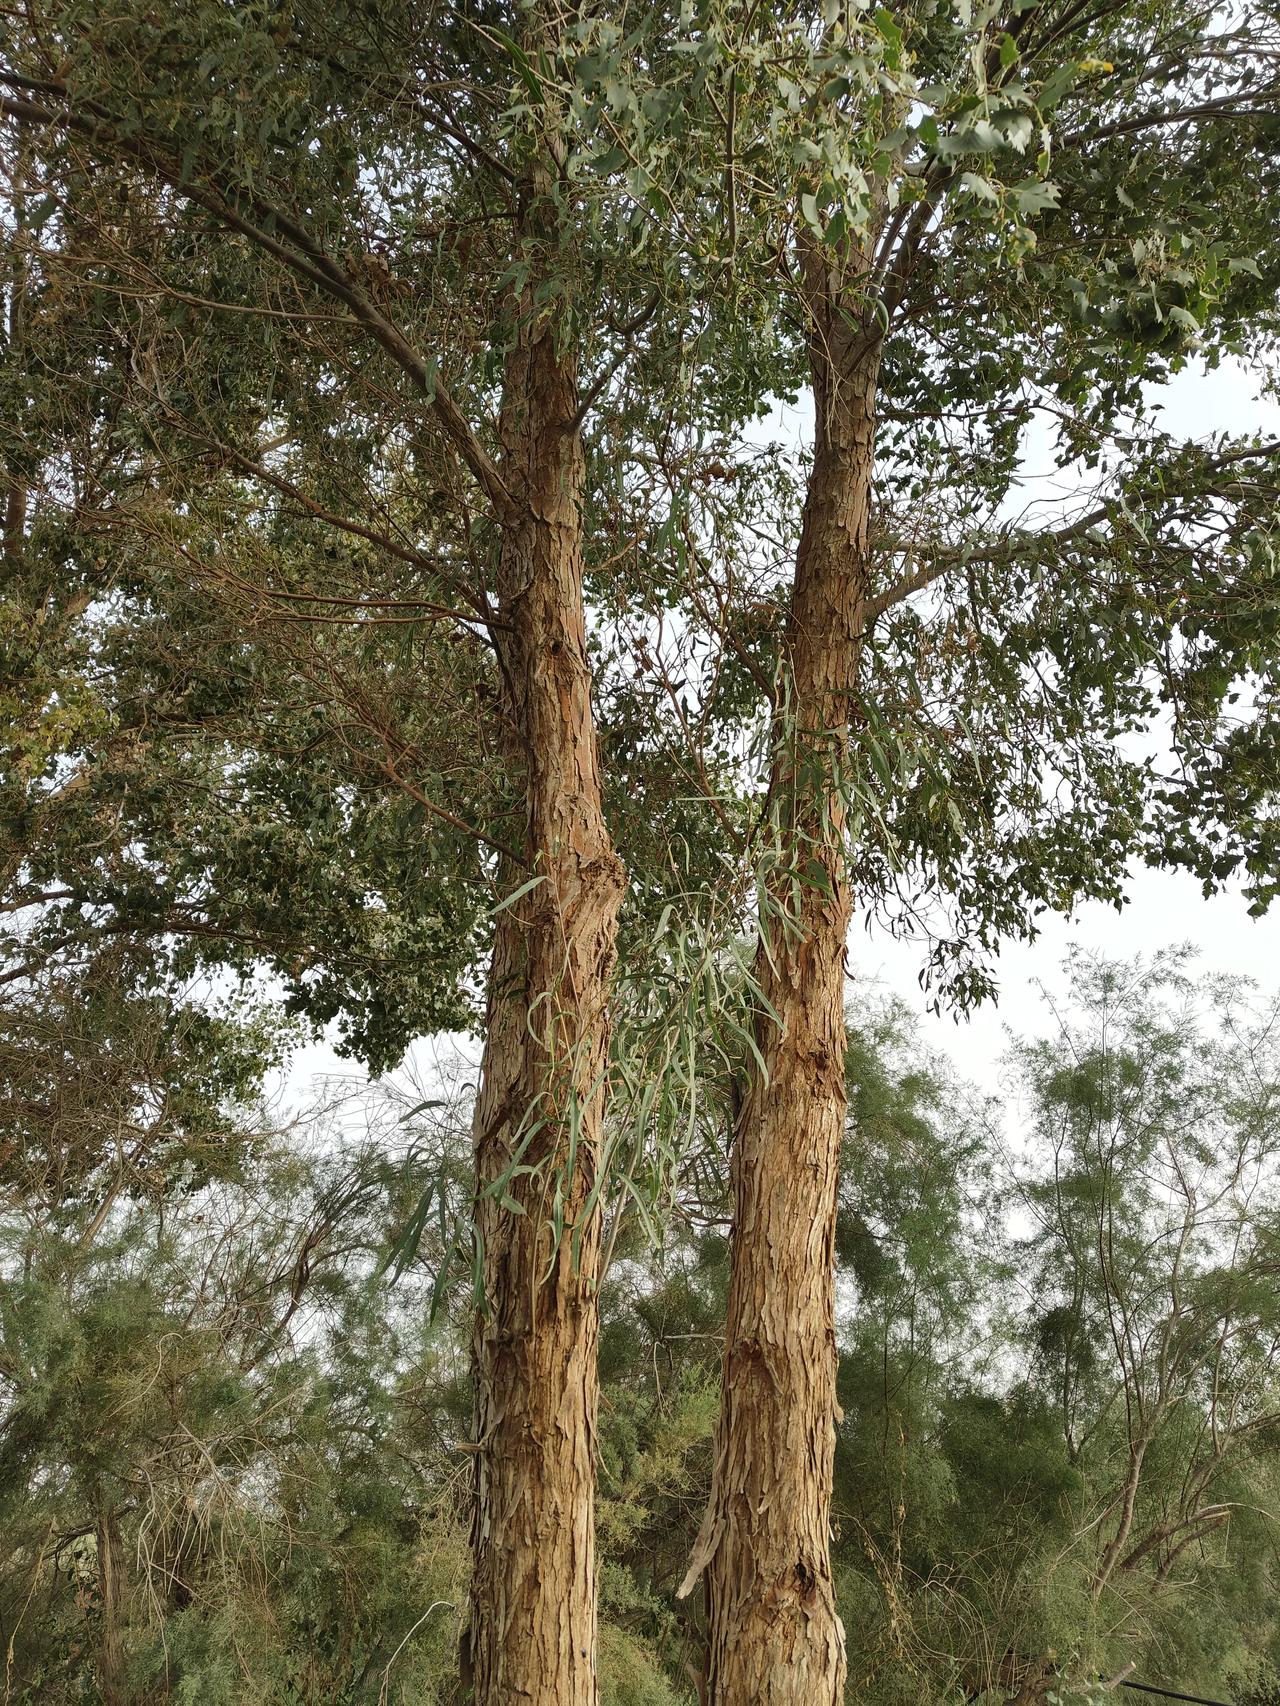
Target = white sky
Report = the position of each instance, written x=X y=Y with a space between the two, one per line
x=1163 y=908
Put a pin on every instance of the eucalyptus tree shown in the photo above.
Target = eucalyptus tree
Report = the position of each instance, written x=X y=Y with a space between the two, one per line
x=980 y=221
x=348 y=310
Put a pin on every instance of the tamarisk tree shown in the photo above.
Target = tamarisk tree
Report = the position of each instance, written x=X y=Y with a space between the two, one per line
x=1153 y=1245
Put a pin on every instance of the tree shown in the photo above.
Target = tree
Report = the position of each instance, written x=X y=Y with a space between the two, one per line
x=219 y=1472
x=112 y=1103
x=333 y=278
x=1156 y=1328
x=965 y=697
x=1109 y=1307
x=290 y=212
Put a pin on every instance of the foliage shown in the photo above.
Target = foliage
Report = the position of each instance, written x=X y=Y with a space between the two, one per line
x=209 y=1355
x=265 y=268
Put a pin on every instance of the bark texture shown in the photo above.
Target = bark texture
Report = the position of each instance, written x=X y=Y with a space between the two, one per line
x=774 y=1637
x=541 y=1101
x=15 y=491
x=111 y=1661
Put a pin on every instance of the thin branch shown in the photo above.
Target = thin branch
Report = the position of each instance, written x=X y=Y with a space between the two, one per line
x=1010 y=544
x=1226 y=107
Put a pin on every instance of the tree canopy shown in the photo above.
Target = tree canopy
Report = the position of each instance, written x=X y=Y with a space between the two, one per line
x=406 y=609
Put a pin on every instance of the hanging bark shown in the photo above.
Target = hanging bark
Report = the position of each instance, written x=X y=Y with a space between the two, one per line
x=774 y=1635
x=541 y=1102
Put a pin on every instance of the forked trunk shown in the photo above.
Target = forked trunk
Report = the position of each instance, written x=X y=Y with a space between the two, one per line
x=541 y=1104
x=774 y=1637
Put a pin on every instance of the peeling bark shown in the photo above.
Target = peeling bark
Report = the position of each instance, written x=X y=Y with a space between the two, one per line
x=774 y=1634
x=542 y=1095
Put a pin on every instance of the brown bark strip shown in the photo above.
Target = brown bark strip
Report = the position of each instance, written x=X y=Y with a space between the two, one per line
x=775 y=1638
x=533 y=1628
x=111 y=1662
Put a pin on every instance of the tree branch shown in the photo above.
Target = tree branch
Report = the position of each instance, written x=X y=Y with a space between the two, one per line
x=1011 y=543
x=256 y=219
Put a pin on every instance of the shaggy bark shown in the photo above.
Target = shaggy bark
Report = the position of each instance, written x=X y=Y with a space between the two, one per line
x=774 y=1633
x=542 y=1096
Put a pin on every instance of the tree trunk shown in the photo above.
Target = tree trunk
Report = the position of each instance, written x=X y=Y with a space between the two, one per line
x=1124 y=1522
x=14 y=525
x=542 y=1099
x=774 y=1634
x=111 y=1683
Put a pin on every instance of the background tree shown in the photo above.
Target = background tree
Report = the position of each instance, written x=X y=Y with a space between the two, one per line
x=1124 y=1318
x=221 y=1476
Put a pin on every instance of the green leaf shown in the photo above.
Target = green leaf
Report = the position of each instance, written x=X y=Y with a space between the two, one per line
x=519 y=894
x=978 y=186
x=1033 y=195
x=523 y=64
